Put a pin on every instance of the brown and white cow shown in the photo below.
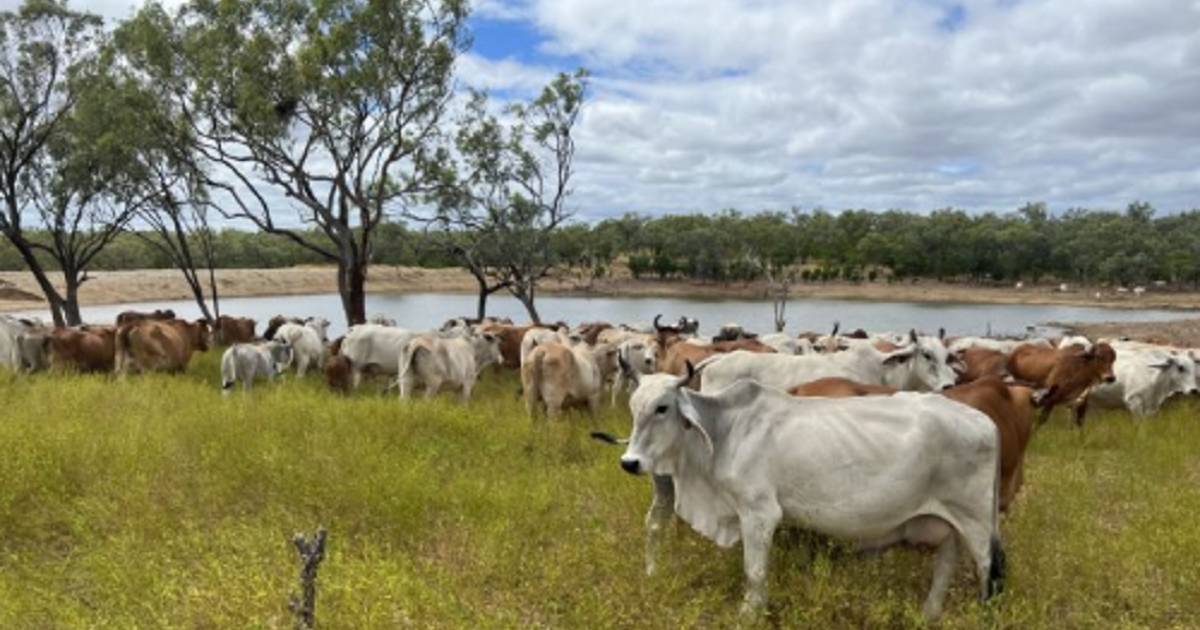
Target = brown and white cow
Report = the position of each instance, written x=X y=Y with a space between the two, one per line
x=165 y=346
x=1066 y=374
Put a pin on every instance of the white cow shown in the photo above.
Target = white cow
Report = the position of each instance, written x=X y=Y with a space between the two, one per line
x=307 y=343
x=641 y=355
x=537 y=336
x=1146 y=378
x=912 y=468
x=1075 y=340
x=22 y=347
x=921 y=365
x=784 y=343
x=456 y=361
x=373 y=347
x=247 y=361
x=999 y=345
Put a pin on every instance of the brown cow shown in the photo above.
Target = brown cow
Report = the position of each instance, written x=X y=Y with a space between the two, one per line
x=981 y=363
x=674 y=358
x=85 y=349
x=159 y=345
x=338 y=374
x=128 y=317
x=1065 y=374
x=836 y=387
x=590 y=331
x=510 y=340
x=1010 y=408
x=231 y=330
x=274 y=323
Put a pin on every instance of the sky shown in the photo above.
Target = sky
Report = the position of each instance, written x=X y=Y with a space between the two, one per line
x=700 y=105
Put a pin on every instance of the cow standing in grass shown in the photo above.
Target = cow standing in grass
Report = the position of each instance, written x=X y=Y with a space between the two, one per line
x=434 y=361
x=909 y=468
x=247 y=361
x=154 y=345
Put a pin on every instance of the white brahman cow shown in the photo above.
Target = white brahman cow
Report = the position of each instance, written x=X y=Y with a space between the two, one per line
x=1146 y=378
x=307 y=341
x=247 y=361
x=435 y=361
x=923 y=364
x=375 y=348
x=909 y=468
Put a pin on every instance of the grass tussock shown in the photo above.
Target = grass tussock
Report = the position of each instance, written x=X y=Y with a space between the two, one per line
x=155 y=503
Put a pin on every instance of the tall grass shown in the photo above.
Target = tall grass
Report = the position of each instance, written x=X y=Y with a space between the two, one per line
x=154 y=503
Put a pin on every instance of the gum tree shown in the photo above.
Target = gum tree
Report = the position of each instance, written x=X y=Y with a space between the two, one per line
x=64 y=154
x=325 y=113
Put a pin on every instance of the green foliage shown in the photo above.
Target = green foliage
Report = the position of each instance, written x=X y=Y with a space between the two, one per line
x=152 y=502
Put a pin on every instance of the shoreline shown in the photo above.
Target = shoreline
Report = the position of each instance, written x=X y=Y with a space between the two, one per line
x=19 y=292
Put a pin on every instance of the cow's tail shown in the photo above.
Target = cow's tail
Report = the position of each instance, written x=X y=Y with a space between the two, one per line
x=996 y=567
x=531 y=379
x=228 y=371
x=408 y=354
x=121 y=349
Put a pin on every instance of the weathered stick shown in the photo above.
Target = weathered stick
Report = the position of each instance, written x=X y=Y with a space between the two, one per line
x=311 y=554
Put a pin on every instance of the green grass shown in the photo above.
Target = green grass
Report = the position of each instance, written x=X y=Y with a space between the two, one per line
x=154 y=503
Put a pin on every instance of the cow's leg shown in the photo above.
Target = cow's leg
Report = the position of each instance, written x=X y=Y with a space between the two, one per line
x=554 y=403
x=356 y=376
x=617 y=385
x=1079 y=407
x=432 y=385
x=662 y=508
x=758 y=523
x=594 y=403
x=302 y=366
x=467 y=385
x=984 y=546
x=944 y=562
x=405 y=384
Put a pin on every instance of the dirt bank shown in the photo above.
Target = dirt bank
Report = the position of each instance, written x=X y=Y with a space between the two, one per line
x=18 y=291
x=1182 y=332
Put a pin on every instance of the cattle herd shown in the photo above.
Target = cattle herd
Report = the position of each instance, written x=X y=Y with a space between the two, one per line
x=880 y=439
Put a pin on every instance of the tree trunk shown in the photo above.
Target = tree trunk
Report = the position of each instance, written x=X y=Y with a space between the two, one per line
x=352 y=281
x=70 y=305
x=53 y=299
x=481 y=305
x=526 y=297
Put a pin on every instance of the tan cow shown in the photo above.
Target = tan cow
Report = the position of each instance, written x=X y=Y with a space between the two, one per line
x=165 y=346
x=678 y=354
x=980 y=363
x=555 y=375
x=83 y=349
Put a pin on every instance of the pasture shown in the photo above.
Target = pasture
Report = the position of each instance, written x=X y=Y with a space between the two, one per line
x=155 y=503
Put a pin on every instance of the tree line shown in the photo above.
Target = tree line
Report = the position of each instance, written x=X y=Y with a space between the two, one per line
x=1127 y=247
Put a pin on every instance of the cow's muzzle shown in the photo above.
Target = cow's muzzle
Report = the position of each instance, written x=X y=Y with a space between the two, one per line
x=631 y=466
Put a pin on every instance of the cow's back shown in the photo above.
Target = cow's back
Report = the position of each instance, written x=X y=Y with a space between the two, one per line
x=1032 y=364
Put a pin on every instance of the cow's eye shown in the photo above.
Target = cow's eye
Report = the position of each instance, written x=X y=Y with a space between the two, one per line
x=661 y=409
x=928 y=356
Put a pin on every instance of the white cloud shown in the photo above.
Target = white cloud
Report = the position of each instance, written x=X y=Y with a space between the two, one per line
x=867 y=103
